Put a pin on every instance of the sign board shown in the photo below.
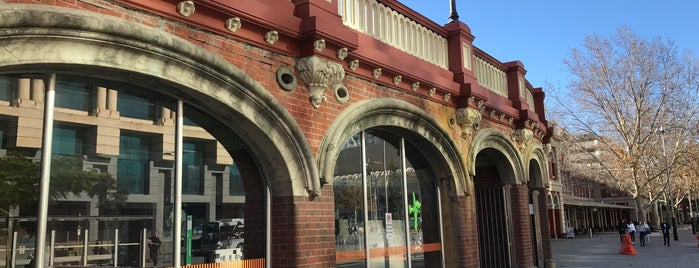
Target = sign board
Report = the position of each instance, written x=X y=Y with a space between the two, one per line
x=389 y=225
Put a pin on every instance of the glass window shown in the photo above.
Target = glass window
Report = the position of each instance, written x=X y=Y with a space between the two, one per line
x=349 y=205
x=68 y=140
x=236 y=186
x=73 y=93
x=133 y=163
x=113 y=180
x=6 y=88
x=399 y=219
x=136 y=107
x=192 y=163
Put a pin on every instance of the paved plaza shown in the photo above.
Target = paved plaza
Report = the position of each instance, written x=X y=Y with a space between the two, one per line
x=602 y=250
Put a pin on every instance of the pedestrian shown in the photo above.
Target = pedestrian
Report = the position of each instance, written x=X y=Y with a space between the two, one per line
x=622 y=227
x=643 y=230
x=154 y=247
x=632 y=231
x=665 y=228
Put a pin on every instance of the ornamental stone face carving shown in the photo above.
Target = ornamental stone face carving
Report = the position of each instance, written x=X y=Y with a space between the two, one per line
x=397 y=79
x=447 y=96
x=318 y=74
x=353 y=65
x=432 y=91
x=469 y=119
x=319 y=45
x=233 y=24
x=185 y=8
x=522 y=136
x=271 y=37
x=376 y=72
x=415 y=86
x=342 y=53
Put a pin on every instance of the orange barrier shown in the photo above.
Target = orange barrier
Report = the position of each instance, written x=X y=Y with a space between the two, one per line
x=252 y=263
x=355 y=255
x=626 y=247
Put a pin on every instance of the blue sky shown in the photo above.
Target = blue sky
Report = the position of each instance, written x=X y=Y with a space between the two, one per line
x=541 y=33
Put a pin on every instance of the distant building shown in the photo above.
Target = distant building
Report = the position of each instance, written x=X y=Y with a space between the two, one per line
x=585 y=202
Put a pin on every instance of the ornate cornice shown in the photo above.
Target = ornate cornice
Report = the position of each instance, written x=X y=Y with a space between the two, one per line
x=318 y=74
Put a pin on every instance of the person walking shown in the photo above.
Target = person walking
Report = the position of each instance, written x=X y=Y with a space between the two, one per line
x=632 y=231
x=643 y=230
x=622 y=227
x=154 y=247
x=665 y=228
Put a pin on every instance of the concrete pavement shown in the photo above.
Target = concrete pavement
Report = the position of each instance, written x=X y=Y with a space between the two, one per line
x=602 y=250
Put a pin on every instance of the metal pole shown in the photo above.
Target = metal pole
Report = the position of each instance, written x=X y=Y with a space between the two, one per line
x=177 y=234
x=404 y=177
x=142 y=247
x=52 y=247
x=87 y=230
x=365 y=196
x=14 y=250
x=453 y=15
x=42 y=214
x=116 y=247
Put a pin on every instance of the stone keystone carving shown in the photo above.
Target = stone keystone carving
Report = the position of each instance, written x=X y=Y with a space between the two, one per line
x=522 y=136
x=469 y=119
x=318 y=74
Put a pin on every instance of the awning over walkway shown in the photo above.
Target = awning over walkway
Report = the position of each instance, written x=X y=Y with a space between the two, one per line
x=587 y=203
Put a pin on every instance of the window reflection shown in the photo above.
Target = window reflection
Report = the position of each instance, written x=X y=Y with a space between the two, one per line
x=112 y=177
x=396 y=214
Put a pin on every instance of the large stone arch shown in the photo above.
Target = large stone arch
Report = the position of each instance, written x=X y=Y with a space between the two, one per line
x=536 y=154
x=494 y=139
x=393 y=113
x=36 y=38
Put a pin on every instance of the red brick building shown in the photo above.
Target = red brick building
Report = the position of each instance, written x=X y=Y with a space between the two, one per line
x=348 y=133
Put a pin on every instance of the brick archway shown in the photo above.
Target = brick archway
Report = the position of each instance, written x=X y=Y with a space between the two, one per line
x=43 y=38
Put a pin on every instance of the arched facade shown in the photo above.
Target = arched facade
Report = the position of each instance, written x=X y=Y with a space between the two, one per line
x=222 y=110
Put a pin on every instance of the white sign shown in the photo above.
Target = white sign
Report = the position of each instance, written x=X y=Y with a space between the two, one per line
x=389 y=226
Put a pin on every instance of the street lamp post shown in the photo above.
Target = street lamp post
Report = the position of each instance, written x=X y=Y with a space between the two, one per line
x=667 y=191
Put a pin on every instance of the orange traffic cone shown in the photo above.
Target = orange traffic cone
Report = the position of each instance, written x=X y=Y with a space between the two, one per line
x=626 y=247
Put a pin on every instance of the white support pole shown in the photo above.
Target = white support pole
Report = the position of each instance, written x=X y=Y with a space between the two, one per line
x=177 y=234
x=14 y=250
x=142 y=246
x=52 y=247
x=42 y=214
x=116 y=247
x=85 y=247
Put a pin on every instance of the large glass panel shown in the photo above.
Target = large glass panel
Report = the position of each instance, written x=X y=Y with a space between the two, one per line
x=73 y=93
x=136 y=107
x=236 y=186
x=6 y=88
x=388 y=227
x=192 y=163
x=112 y=182
x=423 y=210
x=386 y=235
x=349 y=205
x=133 y=163
x=68 y=140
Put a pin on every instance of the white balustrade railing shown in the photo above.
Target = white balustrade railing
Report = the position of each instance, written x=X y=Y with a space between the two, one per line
x=490 y=77
x=388 y=26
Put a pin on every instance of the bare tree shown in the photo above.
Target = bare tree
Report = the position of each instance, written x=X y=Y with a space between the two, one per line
x=624 y=90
